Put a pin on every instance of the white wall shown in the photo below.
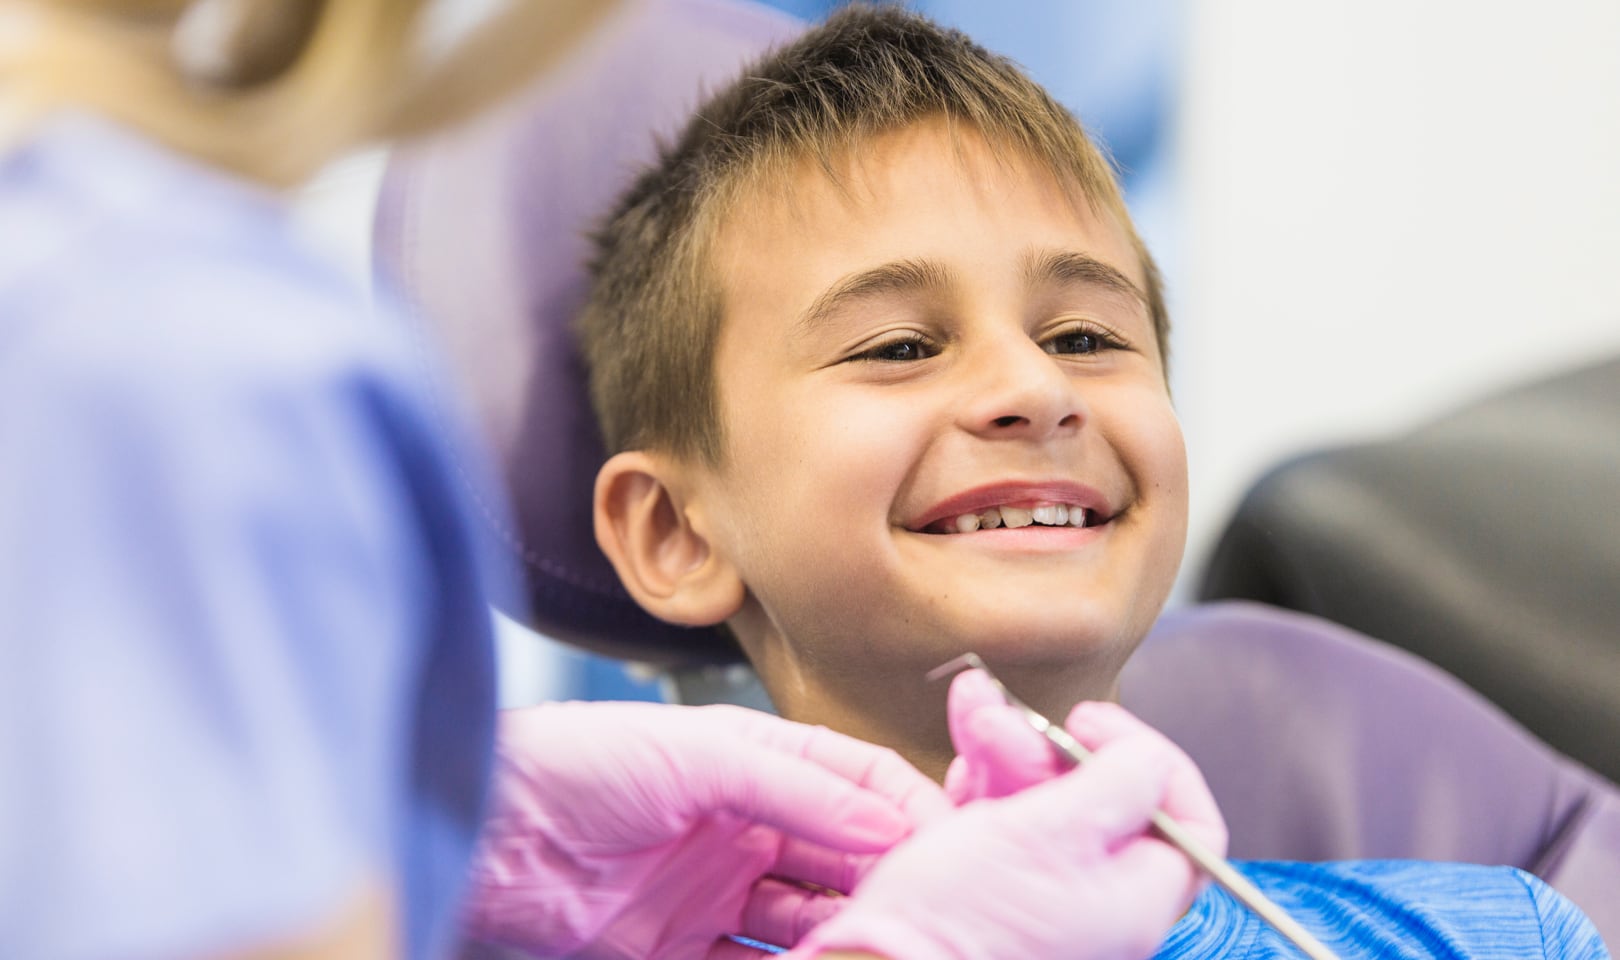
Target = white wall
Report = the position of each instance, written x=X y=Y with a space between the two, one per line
x=1391 y=206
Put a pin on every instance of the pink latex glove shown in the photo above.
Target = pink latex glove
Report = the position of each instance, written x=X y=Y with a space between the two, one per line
x=1041 y=861
x=633 y=830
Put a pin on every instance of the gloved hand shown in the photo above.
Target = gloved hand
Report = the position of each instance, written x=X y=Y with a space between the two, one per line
x=649 y=831
x=1041 y=861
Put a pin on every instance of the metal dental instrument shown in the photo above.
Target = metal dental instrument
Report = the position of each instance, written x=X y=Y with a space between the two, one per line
x=1218 y=869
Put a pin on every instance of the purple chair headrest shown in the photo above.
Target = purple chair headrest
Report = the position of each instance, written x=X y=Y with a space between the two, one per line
x=485 y=232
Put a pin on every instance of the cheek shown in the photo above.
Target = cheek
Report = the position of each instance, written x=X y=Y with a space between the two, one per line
x=834 y=444
x=801 y=472
x=1151 y=444
x=1170 y=451
x=1152 y=447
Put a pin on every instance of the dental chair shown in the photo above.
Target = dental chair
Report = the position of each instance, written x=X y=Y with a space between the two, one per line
x=1495 y=552
x=1318 y=742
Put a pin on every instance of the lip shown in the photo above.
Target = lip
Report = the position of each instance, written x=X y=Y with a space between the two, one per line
x=982 y=498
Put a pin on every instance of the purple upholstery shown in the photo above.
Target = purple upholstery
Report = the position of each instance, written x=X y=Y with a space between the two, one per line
x=485 y=232
x=1318 y=742
x=1321 y=744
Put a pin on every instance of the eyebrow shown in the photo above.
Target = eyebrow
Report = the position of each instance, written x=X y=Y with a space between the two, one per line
x=900 y=276
x=1067 y=266
x=909 y=276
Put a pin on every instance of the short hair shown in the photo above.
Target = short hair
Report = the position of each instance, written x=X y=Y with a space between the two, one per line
x=651 y=325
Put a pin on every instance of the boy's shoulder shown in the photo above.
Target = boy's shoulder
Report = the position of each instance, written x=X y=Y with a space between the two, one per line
x=1394 y=909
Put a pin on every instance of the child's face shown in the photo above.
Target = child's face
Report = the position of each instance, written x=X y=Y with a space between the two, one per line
x=948 y=337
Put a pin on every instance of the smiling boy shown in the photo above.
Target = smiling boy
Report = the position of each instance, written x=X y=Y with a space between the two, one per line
x=882 y=363
x=921 y=361
x=962 y=345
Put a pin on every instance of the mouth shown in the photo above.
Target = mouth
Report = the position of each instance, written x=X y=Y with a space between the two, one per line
x=1015 y=507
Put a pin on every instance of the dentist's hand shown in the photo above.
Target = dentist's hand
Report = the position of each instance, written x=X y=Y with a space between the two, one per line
x=1041 y=861
x=648 y=831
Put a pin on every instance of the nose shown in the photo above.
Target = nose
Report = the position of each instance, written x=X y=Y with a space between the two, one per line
x=1019 y=391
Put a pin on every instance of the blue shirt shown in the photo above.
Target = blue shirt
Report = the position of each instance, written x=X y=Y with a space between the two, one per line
x=245 y=654
x=1387 y=909
x=1393 y=909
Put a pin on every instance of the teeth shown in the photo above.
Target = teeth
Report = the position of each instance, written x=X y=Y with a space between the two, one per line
x=1017 y=516
x=1051 y=514
x=1045 y=514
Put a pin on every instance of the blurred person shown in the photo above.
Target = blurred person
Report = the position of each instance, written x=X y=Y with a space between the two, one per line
x=245 y=666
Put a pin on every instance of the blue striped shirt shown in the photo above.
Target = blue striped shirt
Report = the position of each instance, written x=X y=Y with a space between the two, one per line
x=1390 y=909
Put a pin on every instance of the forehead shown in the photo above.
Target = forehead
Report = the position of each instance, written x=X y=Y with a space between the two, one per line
x=931 y=190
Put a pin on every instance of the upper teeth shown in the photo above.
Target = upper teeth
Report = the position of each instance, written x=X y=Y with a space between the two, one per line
x=1046 y=514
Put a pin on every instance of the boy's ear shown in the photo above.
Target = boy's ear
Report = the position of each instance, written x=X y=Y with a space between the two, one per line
x=659 y=548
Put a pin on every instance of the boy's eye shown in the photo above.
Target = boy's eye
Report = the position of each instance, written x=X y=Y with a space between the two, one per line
x=1081 y=342
x=901 y=350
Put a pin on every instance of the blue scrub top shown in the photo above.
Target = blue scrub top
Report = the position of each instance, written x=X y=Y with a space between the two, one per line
x=245 y=653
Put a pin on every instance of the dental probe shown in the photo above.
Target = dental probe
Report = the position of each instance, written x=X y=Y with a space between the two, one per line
x=1218 y=869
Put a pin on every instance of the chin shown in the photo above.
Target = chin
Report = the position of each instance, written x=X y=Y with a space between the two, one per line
x=1058 y=638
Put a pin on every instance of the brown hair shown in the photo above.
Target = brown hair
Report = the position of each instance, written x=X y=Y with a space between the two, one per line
x=651 y=326
x=296 y=81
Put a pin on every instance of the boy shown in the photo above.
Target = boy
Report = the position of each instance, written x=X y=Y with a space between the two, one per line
x=882 y=362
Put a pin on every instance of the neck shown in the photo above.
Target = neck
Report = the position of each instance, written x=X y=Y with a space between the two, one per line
x=893 y=705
